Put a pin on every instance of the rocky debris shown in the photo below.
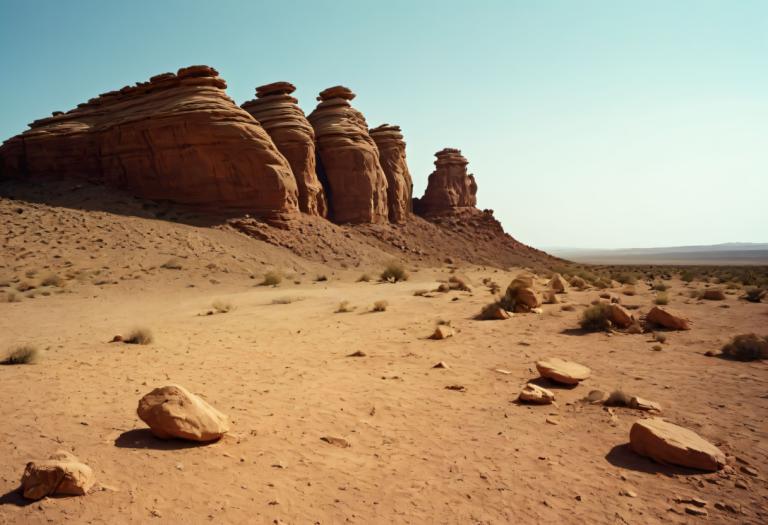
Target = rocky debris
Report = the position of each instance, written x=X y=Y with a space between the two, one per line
x=644 y=404
x=535 y=394
x=280 y=115
x=666 y=442
x=442 y=331
x=174 y=412
x=358 y=353
x=389 y=141
x=619 y=316
x=61 y=474
x=713 y=295
x=557 y=283
x=667 y=318
x=336 y=441
x=562 y=371
x=349 y=164
x=177 y=137
x=449 y=187
x=457 y=388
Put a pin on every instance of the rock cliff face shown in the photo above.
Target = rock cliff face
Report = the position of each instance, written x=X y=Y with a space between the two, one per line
x=279 y=114
x=349 y=167
x=389 y=141
x=177 y=137
x=449 y=188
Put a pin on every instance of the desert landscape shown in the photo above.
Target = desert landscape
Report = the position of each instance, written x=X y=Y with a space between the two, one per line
x=221 y=311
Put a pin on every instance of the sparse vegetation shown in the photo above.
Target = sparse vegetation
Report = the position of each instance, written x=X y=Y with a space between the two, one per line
x=21 y=355
x=754 y=294
x=421 y=292
x=380 y=306
x=321 y=278
x=139 y=336
x=596 y=318
x=626 y=278
x=660 y=287
x=52 y=280
x=172 y=264
x=364 y=278
x=286 y=299
x=11 y=297
x=747 y=347
x=618 y=398
x=344 y=307
x=272 y=279
x=661 y=299
x=394 y=272
x=222 y=307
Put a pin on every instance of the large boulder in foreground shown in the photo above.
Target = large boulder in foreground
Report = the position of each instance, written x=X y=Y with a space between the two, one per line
x=174 y=412
x=349 y=164
x=389 y=141
x=280 y=115
x=667 y=318
x=177 y=137
x=668 y=443
x=449 y=188
x=562 y=371
x=62 y=474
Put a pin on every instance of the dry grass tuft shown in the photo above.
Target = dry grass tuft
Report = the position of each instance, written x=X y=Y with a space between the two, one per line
x=394 y=272
x=222 y=307
x=661 y=299
x=288 y=299
x=139 y=336
x=52 y=280
x=364 y=278
x=747 y=347
x=21 y=355
x=172 y=264
x=344 y=307
x=272 y=279
x=618 y=398
x=380 y=306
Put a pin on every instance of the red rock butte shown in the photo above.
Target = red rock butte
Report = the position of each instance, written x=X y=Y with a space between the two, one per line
x=180 y=138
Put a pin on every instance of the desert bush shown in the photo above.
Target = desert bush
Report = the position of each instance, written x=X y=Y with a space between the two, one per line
x=21 y=355
x=687 y=276
x=286 y=299
x=754 y=294
x=459 y=283
x=344 y=307
x=10 y=297
x=222 y=307
x=662 y=298
x=139 y=336
x=747 y=347
x=52 y=280
x=732 y=286
x=172 y=264
x=364 y=278
x=321 y=278
x=494 y=287
x=626 y=278
x=272 y=279
x=596 y=317
x=394 y=272
x=380 y=306
x=618 y=398
x=660 y=287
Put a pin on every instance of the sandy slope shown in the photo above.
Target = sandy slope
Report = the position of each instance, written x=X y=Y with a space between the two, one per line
x=419 y=454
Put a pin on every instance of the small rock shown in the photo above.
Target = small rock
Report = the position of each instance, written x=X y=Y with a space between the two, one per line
x=441 y=364
x=442 y=332
x=359 y=353
x=695 y=511
x=643 y=404
x=628 y=493
x=458 y=388
x=665 y=442
x=174 y=412
x=535 y=394
x=749 y=470
x=562 y=371
x=336 y=441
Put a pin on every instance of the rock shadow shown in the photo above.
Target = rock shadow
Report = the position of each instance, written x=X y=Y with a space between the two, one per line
x=547 y=383
x=622 y=456
x=14 y=497
x=142 y=438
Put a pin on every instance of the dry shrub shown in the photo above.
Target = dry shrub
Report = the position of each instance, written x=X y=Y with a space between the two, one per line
x=21 y=355
x=755 y=294
x=394 y=272
x=10 y=297
x=344 y=307
x=626 y=278
x=747 y=347
x=380 y=306
x=139 y=336
x=460 y=283
x=660 y=287
x=321 y=278
x=272 y=279
x=364 y=278
x=286 y=300
x=421 y=292
x=222 y=307
x=24 y=286
x=172 y=264
x=661 y=299
x=618 y=398
x=596 y=318
x=490 y=311
x=52 y=280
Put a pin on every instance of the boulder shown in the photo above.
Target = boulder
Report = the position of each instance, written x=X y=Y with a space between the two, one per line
x=667 y=318
x=557 y=283
x=619 y=316
x=550 y=297
x=562 y=371
x=62 y=474
x=713 y=295
x=442 y=331
x=668 y=443
x=389 y=141
x=173 y=412
x=349 y=164
x=535 y=394
x=177 y=137
x=449 y=188
x=281 y=117
x=578 y=282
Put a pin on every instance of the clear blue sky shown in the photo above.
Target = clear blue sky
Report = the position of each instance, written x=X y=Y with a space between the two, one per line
x=612 y=123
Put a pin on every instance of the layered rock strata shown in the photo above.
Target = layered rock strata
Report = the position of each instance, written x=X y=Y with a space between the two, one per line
x=450 y=189
x=348 y=167
x=389 y=141
x=177 y=137
x=280 y=115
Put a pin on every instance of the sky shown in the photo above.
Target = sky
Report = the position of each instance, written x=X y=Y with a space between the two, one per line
x=593 y=124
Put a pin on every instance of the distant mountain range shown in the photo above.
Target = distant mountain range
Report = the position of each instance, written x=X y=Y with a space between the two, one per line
x=730 y=253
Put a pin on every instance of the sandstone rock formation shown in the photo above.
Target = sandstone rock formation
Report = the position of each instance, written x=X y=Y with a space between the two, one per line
x=280 y=115
x=349 y=166
x=562 y=371
x=449 y=188
x=557 y=283
x=667 y=318
x=174 y=412
x=669 y=443
x=177 y=137
x=535 y=394
x=389 y=141
x=62 y=474
x=619 y=316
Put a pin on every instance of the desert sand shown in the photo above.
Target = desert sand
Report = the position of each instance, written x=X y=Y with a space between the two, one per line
x=279 y=363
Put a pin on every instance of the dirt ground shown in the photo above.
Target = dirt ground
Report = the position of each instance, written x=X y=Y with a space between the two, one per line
x=420 y=453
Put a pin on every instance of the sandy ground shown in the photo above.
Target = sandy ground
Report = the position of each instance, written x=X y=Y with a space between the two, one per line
x=420 y=453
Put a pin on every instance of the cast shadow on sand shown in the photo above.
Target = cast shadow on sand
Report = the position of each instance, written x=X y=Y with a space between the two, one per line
x=142 y=438
x=14 y=497
x=623 y=457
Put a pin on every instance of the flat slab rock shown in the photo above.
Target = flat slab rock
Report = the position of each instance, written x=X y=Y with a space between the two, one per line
x=667 y=318
x=668 y=443
x=174 y=412
x=562 y=371
x=535 y=394
x=61 y=474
